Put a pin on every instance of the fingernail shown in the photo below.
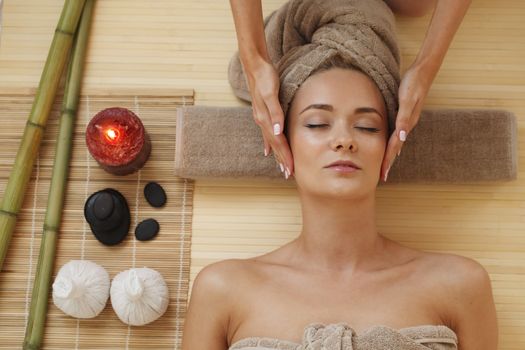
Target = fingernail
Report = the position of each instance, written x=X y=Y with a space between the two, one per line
x=276 y=129
x=386 y=174
x=289 y=172
x=403 y=135
x=282 y=168
x=265 y=152
x=286 y=174
x=398 y=153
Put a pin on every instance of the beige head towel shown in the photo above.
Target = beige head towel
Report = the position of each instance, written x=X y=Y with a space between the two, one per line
x=303 y=34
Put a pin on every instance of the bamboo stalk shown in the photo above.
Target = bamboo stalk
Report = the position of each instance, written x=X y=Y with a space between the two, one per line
x=36 y=123
x=57 y=189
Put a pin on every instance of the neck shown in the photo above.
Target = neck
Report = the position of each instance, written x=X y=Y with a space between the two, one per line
x=338 y=235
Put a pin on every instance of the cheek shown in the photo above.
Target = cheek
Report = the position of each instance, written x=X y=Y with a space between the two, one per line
x=307 y=147
x=369 y=144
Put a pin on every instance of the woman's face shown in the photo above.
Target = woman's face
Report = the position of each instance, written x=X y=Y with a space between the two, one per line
x=338 y=114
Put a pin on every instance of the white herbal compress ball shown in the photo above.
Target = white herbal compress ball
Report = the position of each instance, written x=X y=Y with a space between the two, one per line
x=81 y=288
x=139 y=296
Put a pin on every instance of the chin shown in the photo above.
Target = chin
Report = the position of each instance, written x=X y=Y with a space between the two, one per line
x=327 y=185
x=348 y=189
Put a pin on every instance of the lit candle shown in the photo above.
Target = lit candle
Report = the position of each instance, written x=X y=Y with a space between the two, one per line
x=117 y=140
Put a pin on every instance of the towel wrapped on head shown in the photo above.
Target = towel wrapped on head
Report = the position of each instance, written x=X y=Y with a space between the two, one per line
x=304 y=34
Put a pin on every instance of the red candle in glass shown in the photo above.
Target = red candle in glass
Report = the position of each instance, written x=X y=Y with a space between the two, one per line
x=117 y=140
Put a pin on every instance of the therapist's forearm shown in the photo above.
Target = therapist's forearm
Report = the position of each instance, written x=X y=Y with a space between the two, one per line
x=444 y=24
x=249 y=26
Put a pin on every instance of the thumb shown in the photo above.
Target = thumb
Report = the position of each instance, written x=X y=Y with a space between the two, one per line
x=276 y=115
x=403 y=120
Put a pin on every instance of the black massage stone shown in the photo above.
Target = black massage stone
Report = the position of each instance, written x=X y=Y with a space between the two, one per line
x=108 y=215
x=155 y=194
x=147 y=229
x=103 y=206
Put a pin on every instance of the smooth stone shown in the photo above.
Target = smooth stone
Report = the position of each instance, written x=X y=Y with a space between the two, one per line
x=103 y=206
x=147 y=229
x=115 y=219
x=155 y=194
x=114 y=228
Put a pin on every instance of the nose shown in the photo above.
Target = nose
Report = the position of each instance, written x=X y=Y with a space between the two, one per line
x=342 y=138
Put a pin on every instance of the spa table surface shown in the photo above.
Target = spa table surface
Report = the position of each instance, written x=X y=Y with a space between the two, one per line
x=167 y=45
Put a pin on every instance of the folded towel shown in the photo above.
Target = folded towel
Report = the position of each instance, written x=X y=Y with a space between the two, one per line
x=453 y=146
x=303 y=34
x=340 y=336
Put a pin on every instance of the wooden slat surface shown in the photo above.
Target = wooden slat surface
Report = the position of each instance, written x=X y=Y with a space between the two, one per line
x=188 y=44
x=168 y=253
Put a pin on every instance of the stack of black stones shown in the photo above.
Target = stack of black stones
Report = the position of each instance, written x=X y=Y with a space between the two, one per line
x=108 y=215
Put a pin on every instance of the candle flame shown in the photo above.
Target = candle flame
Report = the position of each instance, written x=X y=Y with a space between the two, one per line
x=112 y=134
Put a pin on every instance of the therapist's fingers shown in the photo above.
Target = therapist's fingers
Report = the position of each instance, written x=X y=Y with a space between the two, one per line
x=267 y=147
x=389 y=156
x=395 y=143
x=263 y=82
x=406 y=119
x=256 y=118
x=281 y=150
x=269 y=94
x=281 y=143
x=277 y=143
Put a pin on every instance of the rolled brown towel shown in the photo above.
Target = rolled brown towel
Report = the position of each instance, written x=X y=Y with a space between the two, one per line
x=450 y=146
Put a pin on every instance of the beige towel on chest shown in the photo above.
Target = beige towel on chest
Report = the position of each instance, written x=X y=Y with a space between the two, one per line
x=340 y=336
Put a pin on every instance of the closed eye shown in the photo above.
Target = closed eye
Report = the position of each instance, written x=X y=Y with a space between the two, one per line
x=321 y=125
x=315 y=125
x=370 y=129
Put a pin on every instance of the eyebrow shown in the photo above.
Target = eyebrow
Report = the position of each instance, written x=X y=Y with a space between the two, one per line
x=330 y=108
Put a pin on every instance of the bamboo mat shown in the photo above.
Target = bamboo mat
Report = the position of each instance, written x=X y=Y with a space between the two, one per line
x=168 y=253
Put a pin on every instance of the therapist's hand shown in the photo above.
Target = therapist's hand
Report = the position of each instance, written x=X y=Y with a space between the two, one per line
x=263 y=82
x=413 y=90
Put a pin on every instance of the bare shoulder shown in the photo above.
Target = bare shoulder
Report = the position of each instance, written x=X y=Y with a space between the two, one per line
x=223 y=279
x=212 y=298
x=440 y=267
x=458 y=275
x=464 y=286
x=457 y=269
x=219 y=275
x=226 y=280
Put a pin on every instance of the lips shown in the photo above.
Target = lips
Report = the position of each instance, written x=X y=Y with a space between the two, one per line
x=342 y=164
